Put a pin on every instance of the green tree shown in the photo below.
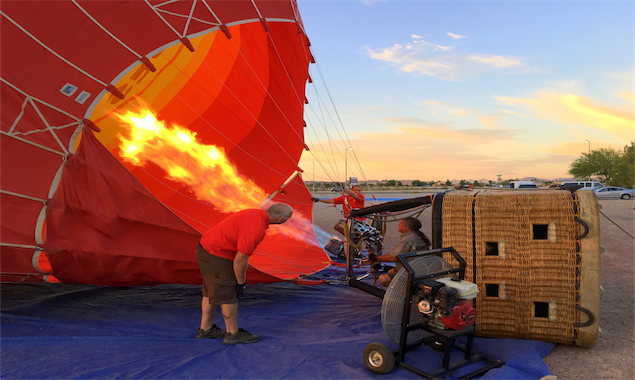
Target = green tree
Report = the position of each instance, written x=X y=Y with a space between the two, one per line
x=448 y=183
x=598 y=163
x=477 y=183
x=463 y=182
x=416 y=182
x=391 y=182
x=624 y=168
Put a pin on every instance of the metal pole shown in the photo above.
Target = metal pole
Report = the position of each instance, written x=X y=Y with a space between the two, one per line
x=313 y=175
x=345 y=165
x=589 y=142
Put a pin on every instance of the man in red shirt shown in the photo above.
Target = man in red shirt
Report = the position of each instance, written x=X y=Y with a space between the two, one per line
x=223 y=256
x=353 y=199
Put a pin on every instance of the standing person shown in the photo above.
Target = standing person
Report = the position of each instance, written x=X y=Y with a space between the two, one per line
x=353 y=199
x=411 y=237
x=223 y=256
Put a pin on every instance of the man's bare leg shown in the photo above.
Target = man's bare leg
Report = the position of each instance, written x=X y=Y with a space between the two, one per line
x=207 y=318
x=230 y=316
x=385 y=279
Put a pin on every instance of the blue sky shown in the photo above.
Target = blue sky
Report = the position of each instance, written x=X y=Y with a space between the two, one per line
x=436 y=90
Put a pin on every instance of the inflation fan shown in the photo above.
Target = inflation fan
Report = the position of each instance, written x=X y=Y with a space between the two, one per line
x=428 y=303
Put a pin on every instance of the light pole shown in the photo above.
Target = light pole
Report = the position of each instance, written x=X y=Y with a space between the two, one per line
x=346 y=165
x=313 y=175
x=589 y=142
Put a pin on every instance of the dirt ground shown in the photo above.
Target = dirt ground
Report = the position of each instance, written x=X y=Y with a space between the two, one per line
x=613 y=356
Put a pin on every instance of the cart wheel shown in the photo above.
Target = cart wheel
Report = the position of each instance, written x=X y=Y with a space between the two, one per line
x=379 y=358
x=438 y=346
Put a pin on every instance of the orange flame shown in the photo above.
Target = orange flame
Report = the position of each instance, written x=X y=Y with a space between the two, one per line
x=204 y=168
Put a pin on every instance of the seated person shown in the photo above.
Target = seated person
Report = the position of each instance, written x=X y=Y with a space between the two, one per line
x=411 y=240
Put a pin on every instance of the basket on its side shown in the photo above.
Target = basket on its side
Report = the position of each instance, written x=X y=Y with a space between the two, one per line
x=535 y=256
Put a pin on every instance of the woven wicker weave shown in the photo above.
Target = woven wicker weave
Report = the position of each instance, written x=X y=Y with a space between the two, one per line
x=520 y=249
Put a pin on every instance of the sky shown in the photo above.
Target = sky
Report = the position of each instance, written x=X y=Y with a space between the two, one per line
x=436 y=90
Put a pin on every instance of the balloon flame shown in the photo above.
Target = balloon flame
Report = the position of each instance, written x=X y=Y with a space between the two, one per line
x=205 y=169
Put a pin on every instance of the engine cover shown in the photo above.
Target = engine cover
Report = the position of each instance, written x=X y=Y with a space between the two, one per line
x=463 y=315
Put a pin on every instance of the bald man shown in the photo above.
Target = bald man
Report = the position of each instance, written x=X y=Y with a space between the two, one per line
x=223 y=256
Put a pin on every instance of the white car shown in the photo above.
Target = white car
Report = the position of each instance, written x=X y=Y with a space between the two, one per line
x=614 y=192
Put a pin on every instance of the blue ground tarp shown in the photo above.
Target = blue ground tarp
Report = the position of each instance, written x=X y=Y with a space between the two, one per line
x=309 y=332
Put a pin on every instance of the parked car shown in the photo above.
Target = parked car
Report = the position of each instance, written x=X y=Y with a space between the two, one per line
x=588 y=185
x=614 y=192
x=522 y=185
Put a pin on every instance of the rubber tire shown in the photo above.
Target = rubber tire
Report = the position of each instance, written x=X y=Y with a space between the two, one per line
x=378 y=358
x=625 y=196
x=438 y=346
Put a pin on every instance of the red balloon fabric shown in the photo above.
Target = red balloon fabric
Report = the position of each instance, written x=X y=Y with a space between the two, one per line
x=73 y=209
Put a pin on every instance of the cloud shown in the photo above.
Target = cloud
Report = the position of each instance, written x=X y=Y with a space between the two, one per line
x=490 y=121
x=577 y=110
x=511 y=112
x=408 y=128
x=420 y=57
x=455 y=36
x=464 y=136
x=414 y=122
x=445 y=106
x=627 y=96
x=440 y=154
x=461 y=112
x=496 y=60
x=371 y=2
x=575 y=149
x=438 y=151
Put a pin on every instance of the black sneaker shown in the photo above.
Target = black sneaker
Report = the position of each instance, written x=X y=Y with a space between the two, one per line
x=242 y=336
x=213 y=332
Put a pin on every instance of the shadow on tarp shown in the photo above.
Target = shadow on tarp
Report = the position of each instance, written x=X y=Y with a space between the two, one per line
x=309 y=332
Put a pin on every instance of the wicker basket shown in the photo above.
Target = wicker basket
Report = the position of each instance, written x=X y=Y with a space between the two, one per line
x=533 y=258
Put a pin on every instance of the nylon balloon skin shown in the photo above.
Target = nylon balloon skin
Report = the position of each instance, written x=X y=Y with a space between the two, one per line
x=72 y=209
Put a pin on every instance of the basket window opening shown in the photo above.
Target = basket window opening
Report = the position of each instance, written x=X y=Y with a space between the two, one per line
x=541 y=309
x=541 y=231
x=491 y=248
x=491 y=290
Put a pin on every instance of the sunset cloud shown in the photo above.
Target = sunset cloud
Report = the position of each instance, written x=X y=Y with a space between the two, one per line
x=455 y=36
x=578 y=147
x=511 y=112
x=440 y=154
x=495 y=60
x=406 y=121
x=490 y=121
x=424 y=58
x=444 y=106
x=415 y=127
x=578 y=110
x=627 y=96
